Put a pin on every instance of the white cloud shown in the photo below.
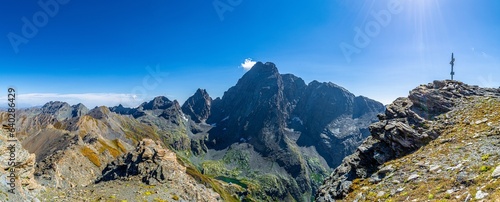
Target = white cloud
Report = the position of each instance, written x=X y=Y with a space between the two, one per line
x=88 y=99
x=248 y=64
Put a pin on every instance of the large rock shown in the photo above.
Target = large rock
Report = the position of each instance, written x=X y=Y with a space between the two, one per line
x=152 y=163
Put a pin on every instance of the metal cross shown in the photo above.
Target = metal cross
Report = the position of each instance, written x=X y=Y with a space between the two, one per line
x=452 y=63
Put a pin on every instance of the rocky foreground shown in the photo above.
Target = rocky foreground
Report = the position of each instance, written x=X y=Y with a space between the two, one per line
x=148 y=173
x=441 y=142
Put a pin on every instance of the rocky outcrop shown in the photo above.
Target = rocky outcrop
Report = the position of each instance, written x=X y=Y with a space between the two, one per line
x=407 y=125
x=198 y=106
x=149 y=161
x=24 y=187
x=155 y=165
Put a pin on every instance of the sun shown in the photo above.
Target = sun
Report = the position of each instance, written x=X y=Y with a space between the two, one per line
x=425 y=20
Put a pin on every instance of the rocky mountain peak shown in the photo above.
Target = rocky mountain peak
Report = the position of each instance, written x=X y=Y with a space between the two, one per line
x=198 y=106
x=160 y=102
x=261 y=71
x=61 y=110
x=278 y=114
x=53 y=106
x=79 y=110
x=99 y=112
x=407 y=125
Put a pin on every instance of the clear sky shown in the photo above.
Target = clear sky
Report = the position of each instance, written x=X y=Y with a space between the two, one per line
x=109 y=52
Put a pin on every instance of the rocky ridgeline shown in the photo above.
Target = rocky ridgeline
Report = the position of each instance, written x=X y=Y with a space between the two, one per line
x=407 y=125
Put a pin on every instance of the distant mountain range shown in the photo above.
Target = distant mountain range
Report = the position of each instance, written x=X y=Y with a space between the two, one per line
x=270 y=137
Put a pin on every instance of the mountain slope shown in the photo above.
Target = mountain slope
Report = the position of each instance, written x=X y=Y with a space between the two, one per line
x=439 y=143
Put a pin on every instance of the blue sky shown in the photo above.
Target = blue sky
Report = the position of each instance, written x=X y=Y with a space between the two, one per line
x=109 y=52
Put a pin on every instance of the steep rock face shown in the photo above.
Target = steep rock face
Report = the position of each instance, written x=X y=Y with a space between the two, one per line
x=279 y=115
x=332 y=119
x=198 y=106
x=25 y=187
x=407 y=125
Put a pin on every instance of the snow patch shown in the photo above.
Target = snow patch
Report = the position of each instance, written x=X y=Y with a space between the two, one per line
x=298 y=119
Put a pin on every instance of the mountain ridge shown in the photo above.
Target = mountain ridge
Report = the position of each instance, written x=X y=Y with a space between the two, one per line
x=272 y=133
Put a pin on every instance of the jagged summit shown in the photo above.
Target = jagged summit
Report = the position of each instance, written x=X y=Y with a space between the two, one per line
x=409 y=124
x=160 y=102
x=62 y=110
x=198 y=106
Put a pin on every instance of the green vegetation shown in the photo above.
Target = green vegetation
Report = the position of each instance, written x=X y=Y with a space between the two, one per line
x=204 y=179
x=484 y=168
x=430 y=197
x=218 y=168
x=240 y=157
x=216 y=186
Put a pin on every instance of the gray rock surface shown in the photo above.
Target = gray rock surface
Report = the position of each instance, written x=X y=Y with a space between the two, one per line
x=149 y=161
x=198 y=106
x=408 y=124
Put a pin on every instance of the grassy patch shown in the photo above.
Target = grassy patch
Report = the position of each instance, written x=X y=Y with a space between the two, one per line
x=484 y=168
x=91 y=155
x=105 y=146
x=214 y=184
